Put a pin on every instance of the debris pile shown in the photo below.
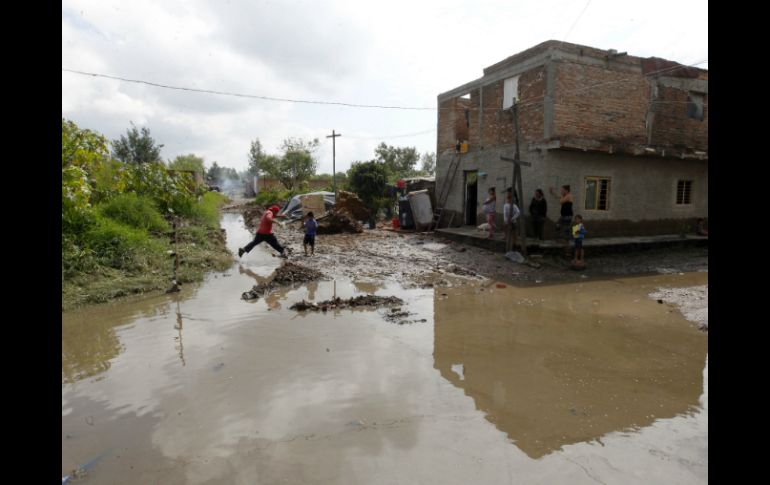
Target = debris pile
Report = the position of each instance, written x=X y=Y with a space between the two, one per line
x=287 y=274
x=397 y=315
x=338 y=222
x=348 y=211
x=338 y=303
x=350 y=203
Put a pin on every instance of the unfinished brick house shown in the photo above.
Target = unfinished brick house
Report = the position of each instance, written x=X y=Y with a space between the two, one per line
x=628 y=134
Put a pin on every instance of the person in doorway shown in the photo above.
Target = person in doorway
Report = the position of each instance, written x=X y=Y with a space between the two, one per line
x=565 y=216
x=265 y=233
x=489 y=210
x=311 y=226
x=578 y=234
x=511 y=214
x=538 y=209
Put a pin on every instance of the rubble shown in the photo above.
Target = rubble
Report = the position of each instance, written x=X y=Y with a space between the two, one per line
x=288 y=274
x=348 y=202
x=339 y=303
x=338 y=222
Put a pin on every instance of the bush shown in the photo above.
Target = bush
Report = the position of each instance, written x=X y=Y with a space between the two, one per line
x=117 y=245
x=267 y=197
x=134 y=211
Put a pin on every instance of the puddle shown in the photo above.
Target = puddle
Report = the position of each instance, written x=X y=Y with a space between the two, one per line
x=535 y=385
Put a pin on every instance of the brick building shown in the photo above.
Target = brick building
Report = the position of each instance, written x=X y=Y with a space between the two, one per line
x=628 y=134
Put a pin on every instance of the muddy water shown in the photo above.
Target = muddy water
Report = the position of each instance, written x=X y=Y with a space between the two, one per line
x=565 y=384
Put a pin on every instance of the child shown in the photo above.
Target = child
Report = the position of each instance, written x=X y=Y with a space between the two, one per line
x=489 y=210
x=578 y=233
x=311 y=225
x=511 y=214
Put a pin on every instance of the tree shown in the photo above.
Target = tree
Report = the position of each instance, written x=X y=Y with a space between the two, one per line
x=83 y=153
x=295 y=166
x=214 y=174
x=400 y=161
x=256 y=157
x=370 y=181
x=137 y=147
x=428 y=161
x=188 y=162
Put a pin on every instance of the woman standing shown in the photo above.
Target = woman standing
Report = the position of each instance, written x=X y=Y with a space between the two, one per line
x=538 y=209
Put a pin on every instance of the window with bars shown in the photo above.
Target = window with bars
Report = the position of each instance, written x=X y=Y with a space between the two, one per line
x=684 y=192
x=597 y=193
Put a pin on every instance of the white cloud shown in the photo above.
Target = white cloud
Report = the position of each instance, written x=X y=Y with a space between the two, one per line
x=389 y=53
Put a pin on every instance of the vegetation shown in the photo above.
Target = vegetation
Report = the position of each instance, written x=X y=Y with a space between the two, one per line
x=117 y=217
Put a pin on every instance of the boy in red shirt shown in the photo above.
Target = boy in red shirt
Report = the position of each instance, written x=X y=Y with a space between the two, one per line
x=265 y=233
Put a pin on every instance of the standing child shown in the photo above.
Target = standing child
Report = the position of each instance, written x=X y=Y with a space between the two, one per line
x=311 y=226
x=511 y=214
x=578 y=234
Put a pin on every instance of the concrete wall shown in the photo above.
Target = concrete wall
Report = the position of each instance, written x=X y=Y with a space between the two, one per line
x=642 y=197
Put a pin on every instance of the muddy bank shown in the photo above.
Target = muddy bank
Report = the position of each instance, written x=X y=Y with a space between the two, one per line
x=286 y=275
x=372 y=301
x=427 y=260
x=693 y=302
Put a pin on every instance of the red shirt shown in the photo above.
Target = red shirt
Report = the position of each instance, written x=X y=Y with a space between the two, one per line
x=266 y=223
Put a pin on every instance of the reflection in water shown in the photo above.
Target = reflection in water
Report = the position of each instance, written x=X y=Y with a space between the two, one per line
x=567 y=364
x=178 y=327
x=368 y=287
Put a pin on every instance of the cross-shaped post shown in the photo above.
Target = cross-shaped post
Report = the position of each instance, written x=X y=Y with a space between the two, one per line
x=516 y=185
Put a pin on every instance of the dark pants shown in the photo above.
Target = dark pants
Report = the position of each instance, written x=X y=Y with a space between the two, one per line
x=537 y=223
x=268 y=238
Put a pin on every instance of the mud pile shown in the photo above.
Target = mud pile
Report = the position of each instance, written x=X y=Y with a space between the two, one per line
x=338 y=222
x=288 y=274
x=348 y=202
x=337 y=303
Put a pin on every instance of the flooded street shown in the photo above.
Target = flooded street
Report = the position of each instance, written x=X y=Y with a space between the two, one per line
x=590 y=382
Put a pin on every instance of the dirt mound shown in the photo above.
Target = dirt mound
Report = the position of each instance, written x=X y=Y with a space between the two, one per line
x=338 y=222
x=348 y=202
x=357 y=301
x=287 y=274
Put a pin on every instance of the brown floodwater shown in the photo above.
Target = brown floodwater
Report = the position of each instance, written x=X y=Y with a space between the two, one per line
x=577 y=383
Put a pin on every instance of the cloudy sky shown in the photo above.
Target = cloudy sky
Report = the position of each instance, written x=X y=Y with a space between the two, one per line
x=389 y=53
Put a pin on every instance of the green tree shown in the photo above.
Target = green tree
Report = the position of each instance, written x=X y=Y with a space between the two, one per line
x=256 y=157
x=428 y=162
x=214 y=174
x=400 y=161
x=188 y=162
x=83 y=152
x=369 y=180
x=137 y=148
x=295 y=166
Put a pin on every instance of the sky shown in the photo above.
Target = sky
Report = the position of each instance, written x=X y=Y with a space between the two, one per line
x=389 y=53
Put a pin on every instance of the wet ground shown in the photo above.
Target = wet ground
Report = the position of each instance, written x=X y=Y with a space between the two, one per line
x=586 y=382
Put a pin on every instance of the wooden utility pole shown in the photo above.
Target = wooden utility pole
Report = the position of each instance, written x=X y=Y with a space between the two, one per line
x=516 y=181
x=334 y=136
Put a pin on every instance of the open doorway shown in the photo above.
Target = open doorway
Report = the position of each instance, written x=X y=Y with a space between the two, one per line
x=471 y=196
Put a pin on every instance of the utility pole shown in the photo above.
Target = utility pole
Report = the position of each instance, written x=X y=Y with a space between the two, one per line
x=334 y=136
x=516 y=180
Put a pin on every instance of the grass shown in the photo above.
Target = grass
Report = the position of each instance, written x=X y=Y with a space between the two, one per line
x=121 y=255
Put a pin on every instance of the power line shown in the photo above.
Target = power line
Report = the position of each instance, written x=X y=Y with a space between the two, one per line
x=388 y=137
x=576 y=21
x=241 y=95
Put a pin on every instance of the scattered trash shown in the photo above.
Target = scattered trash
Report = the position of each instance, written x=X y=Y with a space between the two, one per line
x=338 y=303
x=514 y=256
x=500 y=285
